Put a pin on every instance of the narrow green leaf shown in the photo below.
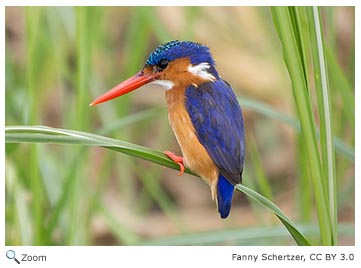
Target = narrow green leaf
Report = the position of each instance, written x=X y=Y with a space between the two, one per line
x=41 y=134
x=288 y=33
x=34 y=65
x=325 y=114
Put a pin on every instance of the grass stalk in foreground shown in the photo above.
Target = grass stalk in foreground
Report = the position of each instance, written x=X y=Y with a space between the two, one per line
x=287 y=23
x=324 y=105
x=40 y=134
x=33 y=18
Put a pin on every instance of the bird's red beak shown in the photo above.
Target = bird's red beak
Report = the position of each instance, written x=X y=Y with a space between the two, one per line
x=132 y=83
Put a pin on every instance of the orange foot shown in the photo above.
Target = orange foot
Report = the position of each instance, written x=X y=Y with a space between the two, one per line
x=177 y=159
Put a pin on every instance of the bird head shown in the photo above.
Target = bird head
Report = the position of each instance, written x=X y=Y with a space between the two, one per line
x=170 y=65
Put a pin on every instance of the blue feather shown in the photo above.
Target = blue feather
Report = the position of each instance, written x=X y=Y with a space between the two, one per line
x=224 y=196
x=217 y=119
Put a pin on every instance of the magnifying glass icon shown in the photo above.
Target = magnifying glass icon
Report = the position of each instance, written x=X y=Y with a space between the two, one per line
x=10 y=254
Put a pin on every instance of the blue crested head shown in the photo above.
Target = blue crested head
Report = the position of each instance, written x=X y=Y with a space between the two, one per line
x=197 y=53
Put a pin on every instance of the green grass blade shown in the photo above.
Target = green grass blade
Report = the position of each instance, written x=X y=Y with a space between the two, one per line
x=41 y=134
x=33 y=70
x=305 y=198
x=83 y=50
x=288 y=32
x=326 y=128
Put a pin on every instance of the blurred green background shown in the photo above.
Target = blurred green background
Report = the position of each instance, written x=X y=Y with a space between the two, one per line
x=58 y=59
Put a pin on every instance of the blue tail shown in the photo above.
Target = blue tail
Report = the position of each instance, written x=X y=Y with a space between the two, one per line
x=224 y=196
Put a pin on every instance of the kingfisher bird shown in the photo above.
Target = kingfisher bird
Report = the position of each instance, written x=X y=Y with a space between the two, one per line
x=203 y=112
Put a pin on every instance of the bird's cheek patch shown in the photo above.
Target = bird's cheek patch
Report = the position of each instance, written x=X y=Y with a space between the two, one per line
x=201 y=71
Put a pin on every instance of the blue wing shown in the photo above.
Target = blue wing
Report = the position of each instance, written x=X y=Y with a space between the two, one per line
x=217 y=119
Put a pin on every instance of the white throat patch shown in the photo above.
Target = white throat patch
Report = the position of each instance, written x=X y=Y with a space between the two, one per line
x=165 y=84
x=201 y=71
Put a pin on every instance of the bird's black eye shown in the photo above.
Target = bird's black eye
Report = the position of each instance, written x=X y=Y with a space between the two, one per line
x=162 y=64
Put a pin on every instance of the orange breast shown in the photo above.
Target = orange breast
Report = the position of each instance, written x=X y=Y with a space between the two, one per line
x=195 y=155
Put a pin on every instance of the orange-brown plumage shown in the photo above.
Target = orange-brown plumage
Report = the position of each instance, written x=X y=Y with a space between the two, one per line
x=194 y=154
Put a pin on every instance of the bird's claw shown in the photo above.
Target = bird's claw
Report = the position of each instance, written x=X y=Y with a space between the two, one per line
x=177 y=159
